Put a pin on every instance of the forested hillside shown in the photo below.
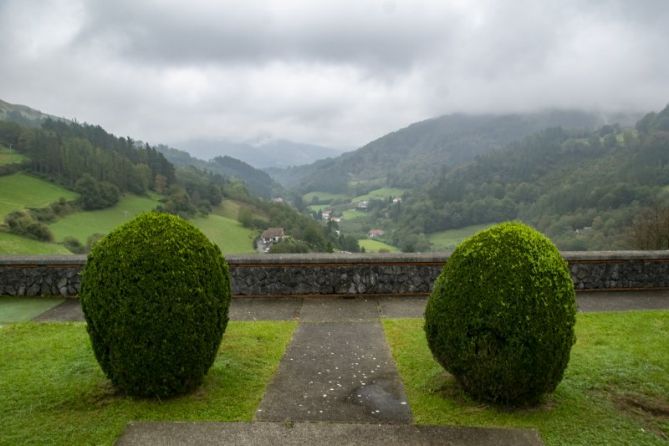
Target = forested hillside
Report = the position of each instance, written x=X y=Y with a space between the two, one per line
x=258 y=182
x=584 y=189
x=97 y=181
x=406 y=157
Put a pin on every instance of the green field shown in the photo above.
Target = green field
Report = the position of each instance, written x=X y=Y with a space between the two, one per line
x=228 y=234
x=82 y=225
x=20 y=191
x=376 y=246
x=323 y=197
x=615 y=390
x=14 y=244
x=10 y=157
x=380 y=194
x=317 y=207
x=352 y=214
x=451 y=238
x=53 y=392
x=228 y=209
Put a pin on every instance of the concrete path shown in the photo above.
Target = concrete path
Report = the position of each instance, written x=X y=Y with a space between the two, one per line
x=300 y=434
x=338 y=368
x=287 y=308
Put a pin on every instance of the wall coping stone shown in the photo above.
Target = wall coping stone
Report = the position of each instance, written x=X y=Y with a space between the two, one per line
x=357 y=258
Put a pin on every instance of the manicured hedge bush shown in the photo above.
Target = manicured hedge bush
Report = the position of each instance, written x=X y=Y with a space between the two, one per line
x=502 y=313
x=155 y=293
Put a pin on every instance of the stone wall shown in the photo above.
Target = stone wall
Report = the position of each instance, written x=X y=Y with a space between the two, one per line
x=338 y=274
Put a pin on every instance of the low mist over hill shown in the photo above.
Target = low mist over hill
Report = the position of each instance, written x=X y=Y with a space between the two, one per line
x=261 y=154
x=408 y=156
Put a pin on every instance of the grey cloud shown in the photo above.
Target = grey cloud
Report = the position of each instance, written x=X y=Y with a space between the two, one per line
x=334 y=73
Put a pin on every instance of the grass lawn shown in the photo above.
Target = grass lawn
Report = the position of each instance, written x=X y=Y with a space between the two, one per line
x=382 y=193
x=615 y=390
x=352 y=214
x=451 y=238
x=323 y=197
x=228 y=209
x=82 y=225
x=22 y=309
x=14 y=244
x=376 y=246
x=52 y=390
x=10 y=157
x=20 y=191
x=228 y=234
x=317 y=207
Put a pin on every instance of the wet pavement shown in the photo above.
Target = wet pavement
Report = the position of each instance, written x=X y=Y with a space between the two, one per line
x=360 y=308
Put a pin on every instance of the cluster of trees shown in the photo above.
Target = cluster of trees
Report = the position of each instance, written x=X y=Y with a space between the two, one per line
x=67 y=152
x=583 y=189
x=305 y=232
x=102 y=167
x=32 y=223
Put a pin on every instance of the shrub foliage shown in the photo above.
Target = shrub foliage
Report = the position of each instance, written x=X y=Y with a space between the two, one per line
x=502 y=313
x=155 y=293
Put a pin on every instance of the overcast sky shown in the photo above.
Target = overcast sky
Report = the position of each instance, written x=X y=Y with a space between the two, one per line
x=337 y=73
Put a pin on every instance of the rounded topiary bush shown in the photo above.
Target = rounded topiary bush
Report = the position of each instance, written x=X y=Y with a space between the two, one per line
x=502 y=313
x=155 y=293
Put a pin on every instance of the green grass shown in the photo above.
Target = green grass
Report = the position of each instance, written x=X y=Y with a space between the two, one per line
x=22 y=309
x=20 y=191
x=352 y=214
x=82 y=225
x=228 y=209
x=317 y=207
x=379 y=194
x=451 y=238
x=14 y=244
x=53 y=392
x=618 y=367
x=323 y=197
x=10 y=157
x=228 y=234
x=376 y=246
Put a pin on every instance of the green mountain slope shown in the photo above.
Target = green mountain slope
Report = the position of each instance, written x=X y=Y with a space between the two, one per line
x=258 y=182
x=407 y=157
x=583 y=189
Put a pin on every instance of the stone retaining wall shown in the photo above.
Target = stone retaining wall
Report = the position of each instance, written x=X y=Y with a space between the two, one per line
x=339 y=274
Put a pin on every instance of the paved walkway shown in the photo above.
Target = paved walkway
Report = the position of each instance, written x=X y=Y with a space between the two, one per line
x=287 y=308
x=337 y=383
x=301 y=434
x=338 y=368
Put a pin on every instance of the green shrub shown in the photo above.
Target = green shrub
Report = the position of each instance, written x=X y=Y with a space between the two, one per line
x=24 y=223
x=74 y=245
x=155 y=293
x=502 y=313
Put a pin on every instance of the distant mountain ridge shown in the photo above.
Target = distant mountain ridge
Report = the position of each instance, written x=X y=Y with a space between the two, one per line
x=24 y=115
x=406 y=156
x=258 y=182
x=273 y=153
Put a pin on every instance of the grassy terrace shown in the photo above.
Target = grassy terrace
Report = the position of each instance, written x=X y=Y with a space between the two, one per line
x=228 y=234
x=376 y=246
x=82 y=225
x=14 y=244
x=380 y=194
x=449 y=239
x=52 y=390
x=10 y=156
x=615 y=390
x=21 y=191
